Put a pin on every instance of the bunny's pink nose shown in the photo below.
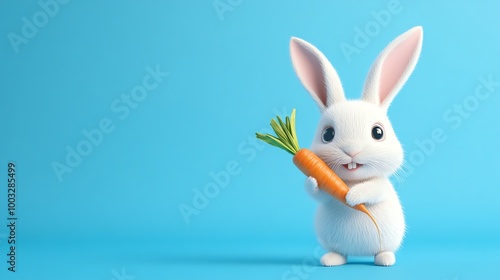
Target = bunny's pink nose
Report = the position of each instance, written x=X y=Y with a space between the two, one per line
x=350 y=153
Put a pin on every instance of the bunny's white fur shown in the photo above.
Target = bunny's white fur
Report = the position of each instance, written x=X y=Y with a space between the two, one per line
x=342 y=230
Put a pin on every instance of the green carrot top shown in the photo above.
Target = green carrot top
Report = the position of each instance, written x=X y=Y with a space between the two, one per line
x=286 y=136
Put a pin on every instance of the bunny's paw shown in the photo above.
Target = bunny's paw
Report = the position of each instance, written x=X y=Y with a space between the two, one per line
x=354 y=197
x=385 y=258
x=333 y=259
x=311 y=185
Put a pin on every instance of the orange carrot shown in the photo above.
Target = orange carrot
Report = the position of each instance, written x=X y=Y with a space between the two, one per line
x=310 y=164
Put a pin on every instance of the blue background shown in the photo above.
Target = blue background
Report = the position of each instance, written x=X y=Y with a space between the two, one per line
x=229 y=74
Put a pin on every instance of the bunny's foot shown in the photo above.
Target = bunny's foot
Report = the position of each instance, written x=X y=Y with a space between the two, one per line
x=333 y=259
x=385 y=258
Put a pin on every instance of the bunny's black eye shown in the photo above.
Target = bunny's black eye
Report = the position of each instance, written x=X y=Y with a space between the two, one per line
x=328 y=134
x=377 y=132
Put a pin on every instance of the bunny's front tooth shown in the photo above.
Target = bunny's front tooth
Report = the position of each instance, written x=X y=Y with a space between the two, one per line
x=352 y=165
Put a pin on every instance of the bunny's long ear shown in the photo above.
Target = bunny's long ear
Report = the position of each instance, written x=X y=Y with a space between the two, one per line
x=392 y=68
x=316 y=73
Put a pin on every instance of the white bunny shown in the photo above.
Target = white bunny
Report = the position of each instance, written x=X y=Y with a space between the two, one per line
x=356 y=139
